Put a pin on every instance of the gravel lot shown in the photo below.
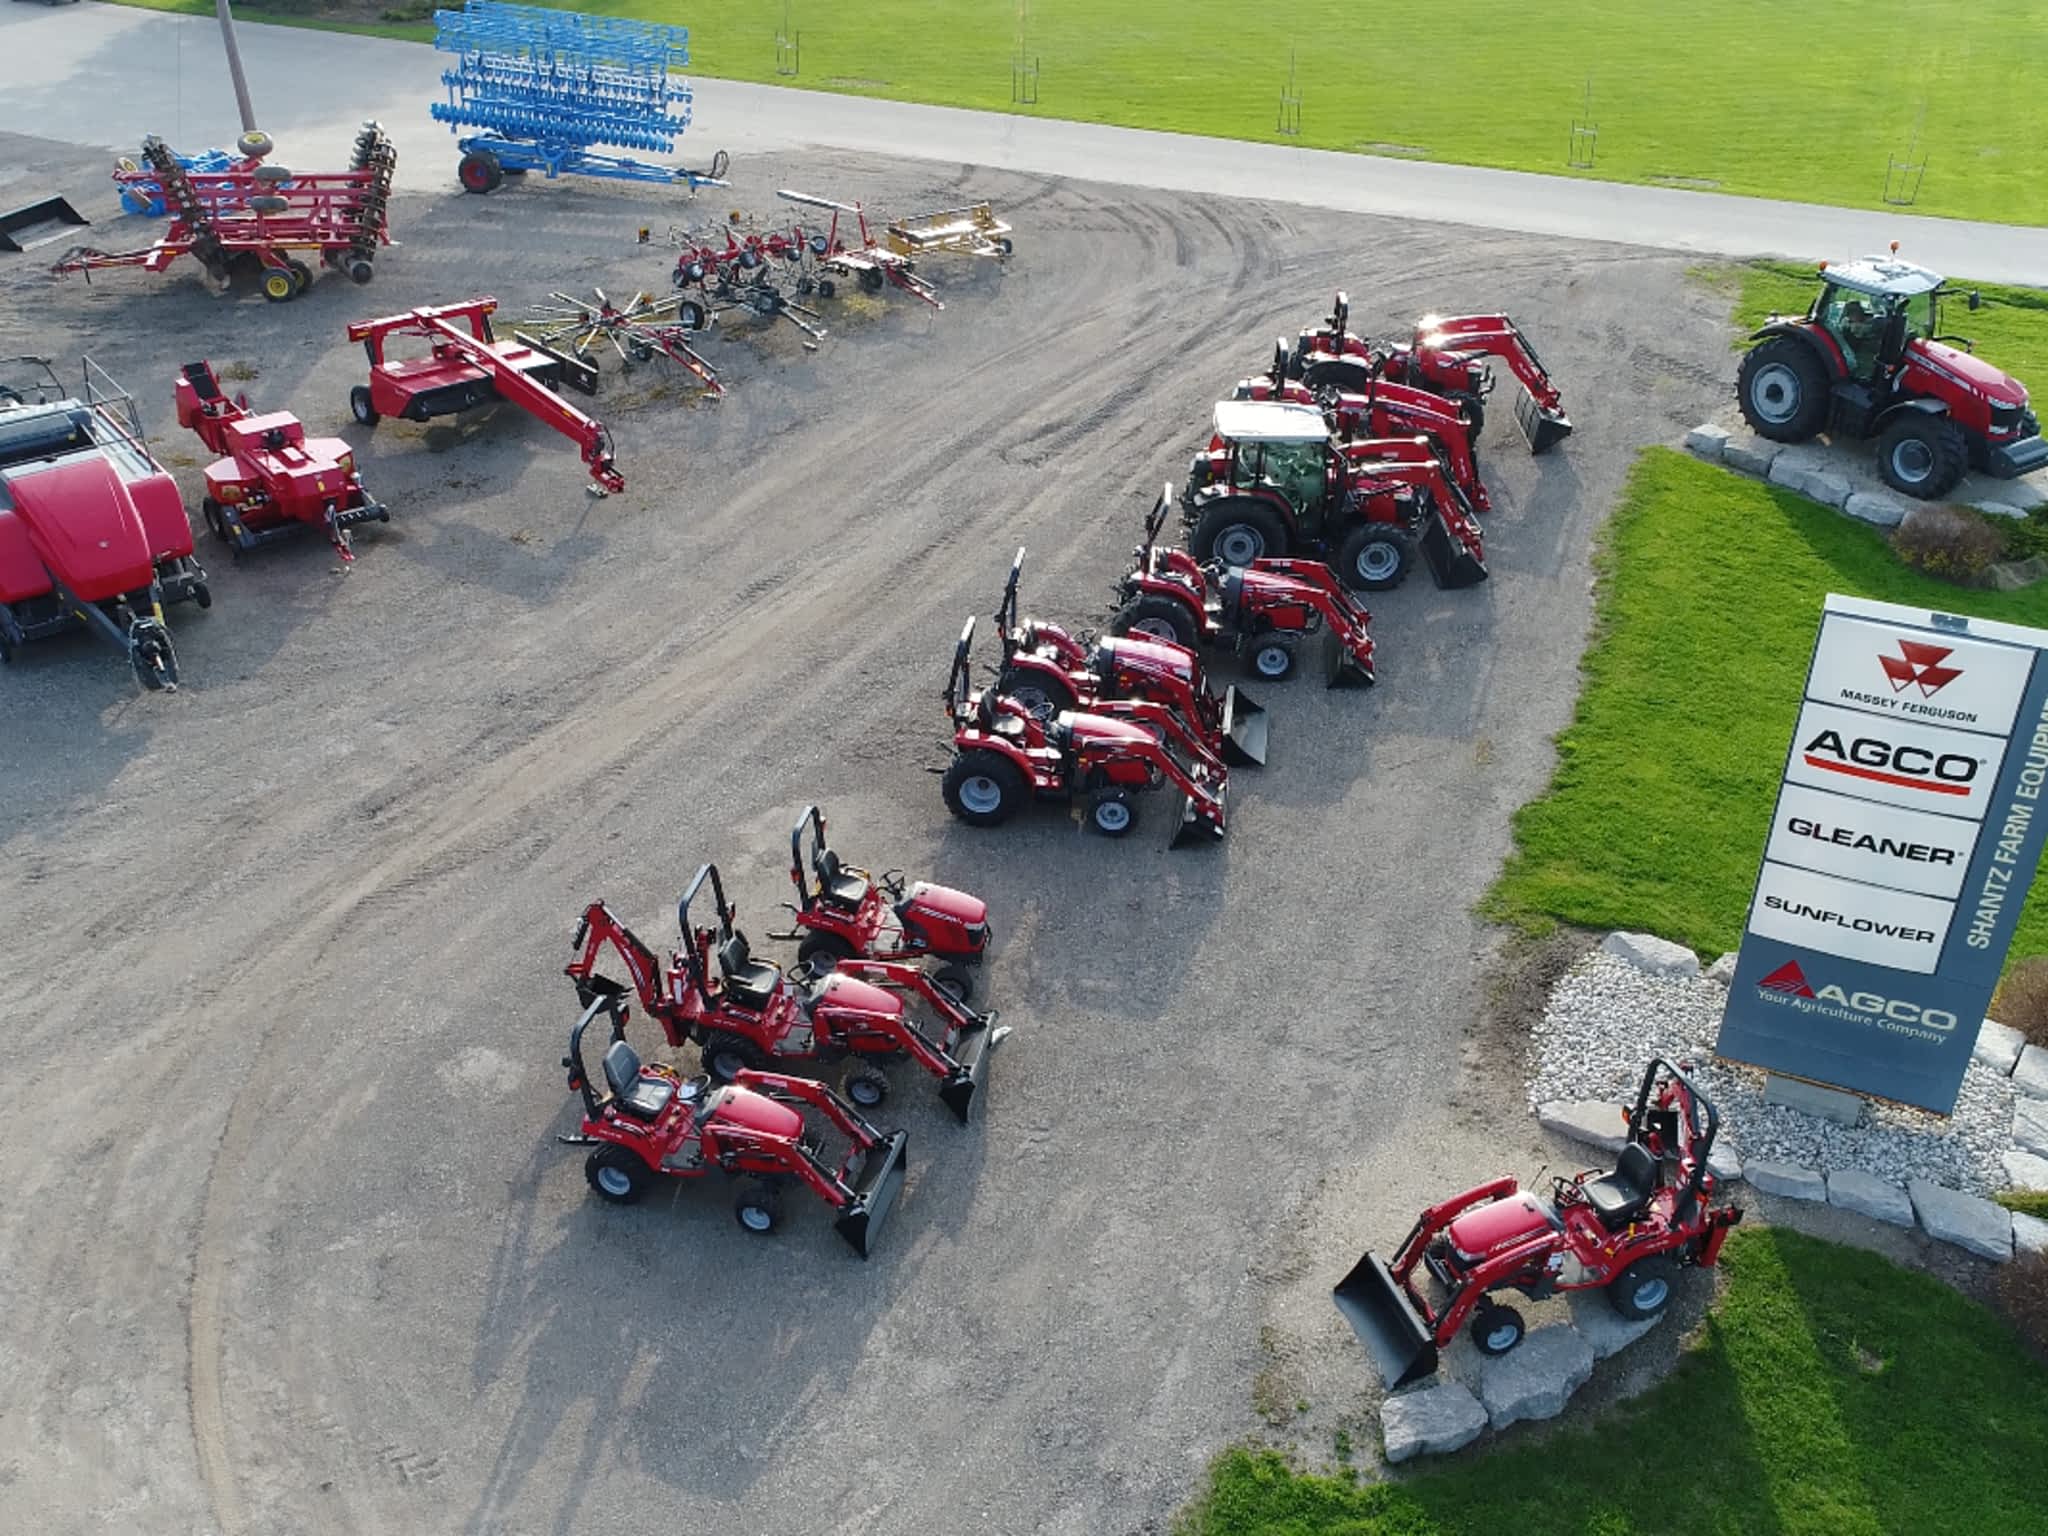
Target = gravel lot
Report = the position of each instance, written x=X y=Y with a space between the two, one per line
x=290 y=1243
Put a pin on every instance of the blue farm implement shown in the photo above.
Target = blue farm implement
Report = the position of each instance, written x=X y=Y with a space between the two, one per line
x=535 y=89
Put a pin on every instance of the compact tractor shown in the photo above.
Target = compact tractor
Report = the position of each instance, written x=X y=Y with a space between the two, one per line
x=1273 y=482
x=844 y=913
x=1262 y=610
x=748 y=1015
x=650 y=1123
x=1446 y=356
x=272 y=479
x=1005 y=753
x=1868 y=360
x=93 y=534
x=1625 y=1232
x=1047 y=669
x=467 y=366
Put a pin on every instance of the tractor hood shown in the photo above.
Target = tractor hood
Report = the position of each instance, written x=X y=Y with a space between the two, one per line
x=1496 y=1225
x=743 y=1109
x=943 y=901
x=1973 y=371
x=846 y=992
x=84 y=526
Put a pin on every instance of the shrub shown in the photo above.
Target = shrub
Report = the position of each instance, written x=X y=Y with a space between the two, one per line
x=1951 y=543
x=2025 y=537
x=2023 y=1298
x=2022 y=999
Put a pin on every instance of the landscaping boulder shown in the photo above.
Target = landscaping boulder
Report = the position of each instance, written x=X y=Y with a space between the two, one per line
x=1751 y=455
x=1998 y=1046
x=2015 y=575
x=1707 y=440
x=1430 y=1420
x=1647 y=952
x=2030 y=1124
x=2030 y=1073
x=2029 y=1233
x=1787 y=1179
x=2025 y=1170
x=1998 y=509
x=1823 y=485
x=1877 y=508
x=1980 y=1226
x=1537 y=1377
x=1723 y=969
x=1594 y=1121
x=1723 y=1162
x=1867 y=1195
x=1605 y=1329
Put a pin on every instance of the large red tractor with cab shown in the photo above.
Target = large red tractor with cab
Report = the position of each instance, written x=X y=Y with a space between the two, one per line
x=844 y=913
x=1868 y=360
x=650 y=1123
x=748 y=1015
x=1274 y=482
x=1006 y=754
x=1626 y=1232
x=1262 y=610
x=93 y=534
x=272 y=480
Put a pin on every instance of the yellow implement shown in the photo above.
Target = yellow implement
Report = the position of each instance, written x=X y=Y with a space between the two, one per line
x=971 y=231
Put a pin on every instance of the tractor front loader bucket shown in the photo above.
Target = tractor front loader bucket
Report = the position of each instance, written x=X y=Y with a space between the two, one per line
x=972 y=1051
x=874 y=1192
x=1341 y=669
x=1196 y=825
x=34 y=224
x=1386 y=1322
x=1544 y=429
x=1245 y=729
x=1450 y=562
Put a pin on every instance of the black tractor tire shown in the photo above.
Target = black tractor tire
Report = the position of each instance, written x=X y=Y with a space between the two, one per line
x=864 y=1087
x=1242 y=528
x=1374 y=557
x=1152 y=617
x=1349 y=374
x=871 y=280
x=757 y=1207
x=1782 y=387
x=692 y=316
x=1269 y=659
x=1112 y=812
x=361 y=407
x=209 y=512
x=1922 y=455
x=618 y=1175
x=956 y=981
x=360 y=270
x=727 y=1054
x=202 y=594
x=1473 y=408
x=995 y=774
x=1643 y=1289
x=823 y=951
x=1497 y=1329
x=302 y=275
x=1035 y=690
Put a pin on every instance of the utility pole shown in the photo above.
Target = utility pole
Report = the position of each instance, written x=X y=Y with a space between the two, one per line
x=227 y=36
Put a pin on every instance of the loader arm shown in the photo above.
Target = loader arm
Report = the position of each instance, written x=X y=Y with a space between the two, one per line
x=960 y=1059
x=863 y=1188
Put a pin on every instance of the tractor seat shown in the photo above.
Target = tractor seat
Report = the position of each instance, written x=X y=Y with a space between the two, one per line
x=1618 y=1198
x=748 y=982
x=643 y=1095
x=841 y=888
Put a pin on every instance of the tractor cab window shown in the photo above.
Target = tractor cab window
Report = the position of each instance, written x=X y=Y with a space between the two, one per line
x=1920 y=315
x=1298 y=470
x=1856 y=321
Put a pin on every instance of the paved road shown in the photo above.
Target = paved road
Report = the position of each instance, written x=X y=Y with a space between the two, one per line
x=104 y=74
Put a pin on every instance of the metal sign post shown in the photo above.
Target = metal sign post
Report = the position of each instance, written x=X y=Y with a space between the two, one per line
x=227 y=37
x=1911 y=815
x=1290 y=102
x=1585 y=138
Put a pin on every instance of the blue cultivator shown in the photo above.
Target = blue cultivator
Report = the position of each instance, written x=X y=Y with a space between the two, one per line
x=536 y=90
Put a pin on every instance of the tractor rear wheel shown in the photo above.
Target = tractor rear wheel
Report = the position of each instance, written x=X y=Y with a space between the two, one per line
x=1237 y=532
x=1373 y=558
x=823 y=951
x=1496 y=1329
x=1922 y=455
x=617 y=1174
x=1783 y=390
x=1346 y=373
x=1035 y=690
x=726 y=1055
x=361 y=406
x=1643 y=1289
x=757 y=1206
x=864 y=1087
x=982 y=787
x=1153 y=617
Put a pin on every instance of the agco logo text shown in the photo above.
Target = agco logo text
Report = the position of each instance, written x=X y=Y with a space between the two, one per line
x=1877 y=760
x=1789 y=982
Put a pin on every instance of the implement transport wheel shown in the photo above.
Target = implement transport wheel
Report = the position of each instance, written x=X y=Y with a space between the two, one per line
x=1239 y=532
x=864 y=1087
x=280 y=285
x=823 y=951
x=480 y=172
x=302 y=275
x=617 y=1174
x=1783 y=389
x=361 y=407
x=360 y=270
x=1496 y=1329
x=982 y=787
x=1643 y=1289
x=1922 y=455
x=1152 y=617
x=726 y=1055
x=757 y=1206
x=254 y=144
x=871 y=280
x=692 y=316
x=1373 y=558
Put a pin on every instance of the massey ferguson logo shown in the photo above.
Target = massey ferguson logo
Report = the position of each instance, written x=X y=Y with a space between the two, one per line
x=1789 y=983
x=1919 y=665
x=1875 y=759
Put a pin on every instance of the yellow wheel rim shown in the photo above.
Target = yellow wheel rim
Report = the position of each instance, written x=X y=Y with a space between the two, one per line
x=279 y=285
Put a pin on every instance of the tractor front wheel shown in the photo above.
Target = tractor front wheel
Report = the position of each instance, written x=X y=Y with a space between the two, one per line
x=726 y=1055
x=1783 y=390
x=1472 y=407
x=1112 y=812
x=361 y=406
x=1496 y=1329
x=1922 y=455
x=982 y=788
x=758 y=1206
x=1643 y=1289
x=1271 y=660
x=823 y=951
x=956 y=981
x=1373 y=558
x=618 y=1175
x=1239 y=532
x=1153 y=617
x=864 y=1087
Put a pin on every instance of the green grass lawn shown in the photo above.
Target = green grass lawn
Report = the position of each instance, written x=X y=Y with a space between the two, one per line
x=1805 y=102
x=1831 y=1394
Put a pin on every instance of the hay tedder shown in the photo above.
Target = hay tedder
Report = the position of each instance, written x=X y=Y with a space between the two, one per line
x=1445 y=355
x=92 y=532
x=272 y=479
x=466 y=366
x=645 y=329
x=869 y=262
x=261 y=213
x=971 y=231
x=748 y=1015
x=1627 y=1232
x=1005 y=755
x=1263 y=611
x=649 y=1123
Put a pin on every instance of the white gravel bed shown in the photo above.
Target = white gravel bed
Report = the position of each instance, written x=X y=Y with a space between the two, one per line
x=1606 y=1019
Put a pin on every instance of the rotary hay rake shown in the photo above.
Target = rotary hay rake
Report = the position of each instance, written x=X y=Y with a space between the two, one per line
x=757 y=272
x=645 y=329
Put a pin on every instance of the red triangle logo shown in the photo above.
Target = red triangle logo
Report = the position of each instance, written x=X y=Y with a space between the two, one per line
x=1788 y=979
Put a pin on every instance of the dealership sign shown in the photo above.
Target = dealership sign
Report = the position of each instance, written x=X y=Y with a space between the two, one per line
x=1911 y=815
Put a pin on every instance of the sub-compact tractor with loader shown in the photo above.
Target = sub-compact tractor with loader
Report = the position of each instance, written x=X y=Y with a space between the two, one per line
x=650 y=1123
x=1006 y=754
x=748 y=1015
x=467 y=366
x=1263 y=610
x=93 y=534
x=1627 y=1232
x=1273 y=482
x=272 y=480
x=1047 y=669
x=1868 y=360
x=844 y=913
x=1445 y=355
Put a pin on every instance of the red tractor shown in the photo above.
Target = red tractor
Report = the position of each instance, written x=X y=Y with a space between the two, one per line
x=1262 y=609
x=651 y=1123
x=466 y=366
x=1273 y=482
x=1868 y=360
x=1047 y=669
x=1627 y=1233
x=1005 y=754
x=93 y=534
x=747 y=1015
x=844 y=913
x=1446 y=356
x=273 y=479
